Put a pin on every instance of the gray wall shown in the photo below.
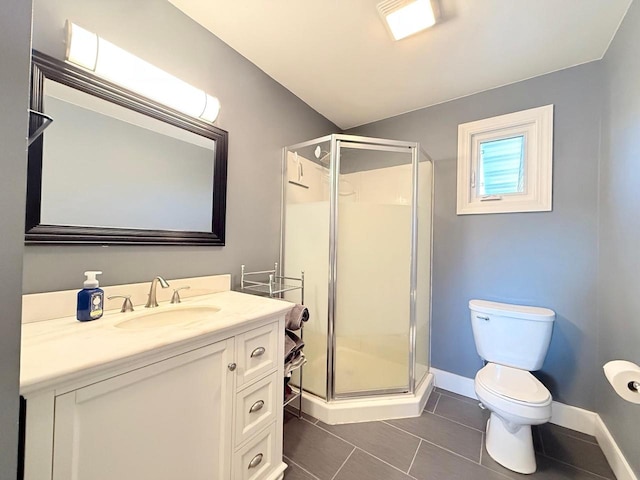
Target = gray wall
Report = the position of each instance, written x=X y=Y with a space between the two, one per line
x=545 y=259
x=260 y=115
x=15 y=34
x=619 y=259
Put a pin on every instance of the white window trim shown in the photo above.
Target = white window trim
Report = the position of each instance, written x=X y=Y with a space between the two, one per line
x=536 y=125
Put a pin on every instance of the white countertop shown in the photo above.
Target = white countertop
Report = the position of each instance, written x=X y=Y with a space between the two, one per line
x=63 y=348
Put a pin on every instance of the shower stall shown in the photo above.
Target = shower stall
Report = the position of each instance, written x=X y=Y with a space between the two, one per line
x=357 y=219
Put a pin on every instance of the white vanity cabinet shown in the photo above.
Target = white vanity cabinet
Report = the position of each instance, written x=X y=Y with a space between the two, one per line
x=210 y=410
x=168 y=420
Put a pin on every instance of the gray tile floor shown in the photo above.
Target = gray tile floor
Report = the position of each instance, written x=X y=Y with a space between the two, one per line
x=445 y=443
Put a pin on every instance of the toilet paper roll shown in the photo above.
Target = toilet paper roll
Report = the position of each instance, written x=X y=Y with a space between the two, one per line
x=624 y=377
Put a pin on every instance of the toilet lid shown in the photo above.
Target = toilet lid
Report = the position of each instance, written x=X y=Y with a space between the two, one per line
x=513 y=383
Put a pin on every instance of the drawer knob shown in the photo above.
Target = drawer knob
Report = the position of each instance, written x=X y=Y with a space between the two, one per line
x=258 y=352
x=232 y=366
x=255 y=461
x=256 y=406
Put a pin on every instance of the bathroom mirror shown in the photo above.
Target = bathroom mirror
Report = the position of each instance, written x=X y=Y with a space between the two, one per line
x=117 y=168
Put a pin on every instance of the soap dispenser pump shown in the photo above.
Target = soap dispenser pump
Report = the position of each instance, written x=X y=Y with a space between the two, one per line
x=90 y=299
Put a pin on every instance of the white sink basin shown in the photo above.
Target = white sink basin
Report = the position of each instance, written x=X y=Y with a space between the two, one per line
x=170 y=315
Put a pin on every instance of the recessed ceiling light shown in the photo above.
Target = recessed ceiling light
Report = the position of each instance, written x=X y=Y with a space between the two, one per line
x=406 y=17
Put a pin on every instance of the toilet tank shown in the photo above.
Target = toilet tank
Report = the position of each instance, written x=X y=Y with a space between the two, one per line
x=512 y=335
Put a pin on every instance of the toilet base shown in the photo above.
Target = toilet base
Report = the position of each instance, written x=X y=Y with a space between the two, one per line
x=511 y=450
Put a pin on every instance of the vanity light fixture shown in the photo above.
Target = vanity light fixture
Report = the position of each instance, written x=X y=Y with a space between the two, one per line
x=88 y=50
x=406 y=17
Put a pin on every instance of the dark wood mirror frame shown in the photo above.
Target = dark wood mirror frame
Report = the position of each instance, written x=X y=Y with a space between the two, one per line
x=46 y=67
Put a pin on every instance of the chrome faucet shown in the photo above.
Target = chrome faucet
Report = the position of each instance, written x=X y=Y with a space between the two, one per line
x=152 y=302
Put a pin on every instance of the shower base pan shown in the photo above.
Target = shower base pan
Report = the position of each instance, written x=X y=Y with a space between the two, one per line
x=379 y=407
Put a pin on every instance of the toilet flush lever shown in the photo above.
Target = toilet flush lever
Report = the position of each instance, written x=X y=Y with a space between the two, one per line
x=479 y=317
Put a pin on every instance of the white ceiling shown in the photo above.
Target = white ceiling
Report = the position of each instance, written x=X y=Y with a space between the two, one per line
x=337 y=56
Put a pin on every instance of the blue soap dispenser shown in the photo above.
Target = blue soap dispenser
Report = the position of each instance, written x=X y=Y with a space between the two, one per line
x=90 y=299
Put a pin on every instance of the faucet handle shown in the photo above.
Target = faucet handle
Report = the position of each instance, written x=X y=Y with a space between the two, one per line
x=127 y=306
x=176 y=296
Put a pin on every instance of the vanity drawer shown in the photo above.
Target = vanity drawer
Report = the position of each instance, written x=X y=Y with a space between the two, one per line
x=257 y=353
x=255 y=460
x=256 y=407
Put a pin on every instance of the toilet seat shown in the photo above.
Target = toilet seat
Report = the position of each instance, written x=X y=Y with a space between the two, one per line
x=531 y=407
x=514 y=384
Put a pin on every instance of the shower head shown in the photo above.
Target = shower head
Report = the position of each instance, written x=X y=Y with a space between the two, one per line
x=321 y=154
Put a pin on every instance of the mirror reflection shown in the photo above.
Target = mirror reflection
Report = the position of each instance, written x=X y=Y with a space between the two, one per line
x=107 y=166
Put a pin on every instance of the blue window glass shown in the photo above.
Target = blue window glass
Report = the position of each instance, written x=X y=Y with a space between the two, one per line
x=501 y=169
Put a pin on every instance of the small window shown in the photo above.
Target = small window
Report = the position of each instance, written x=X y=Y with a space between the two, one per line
x=505 y=163
x=502 y=166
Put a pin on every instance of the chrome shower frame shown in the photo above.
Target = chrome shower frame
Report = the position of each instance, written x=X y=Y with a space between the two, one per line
x=337 y=142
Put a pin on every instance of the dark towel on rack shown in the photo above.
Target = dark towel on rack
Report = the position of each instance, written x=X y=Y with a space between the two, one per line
x=292 y=346
x=294 y=318
x=296 y=362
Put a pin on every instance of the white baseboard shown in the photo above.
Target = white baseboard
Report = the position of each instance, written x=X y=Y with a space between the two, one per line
x=564 y=415
x=454 y=383
x=616 y=459
x=574 y=418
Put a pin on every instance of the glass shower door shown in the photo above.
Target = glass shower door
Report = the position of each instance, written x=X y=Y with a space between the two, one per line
x=305 y=239
x=372 y=194
x=423 y=273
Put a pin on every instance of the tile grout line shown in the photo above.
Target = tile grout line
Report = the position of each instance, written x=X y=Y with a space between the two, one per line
x=539 y=434
x=467 y=400
x=468 y=459
x=295 y=414
x=334 y=435
x=386 y=463
x=436 y=445
x=548 y=455
x=437 y=402
x=308 y=421
x=503 y=475
x=455 y=421
x=300 y=467
x=578 y=468
x=403 y=431
x=482 y=448
x=447 y=418
x=572 y=437
x=414 y=457
x=429 y=413
x=362 y=449
x=439 y=446
x=343 y=463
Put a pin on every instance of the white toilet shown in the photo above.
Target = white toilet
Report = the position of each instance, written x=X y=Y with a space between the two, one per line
x=513 y=340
